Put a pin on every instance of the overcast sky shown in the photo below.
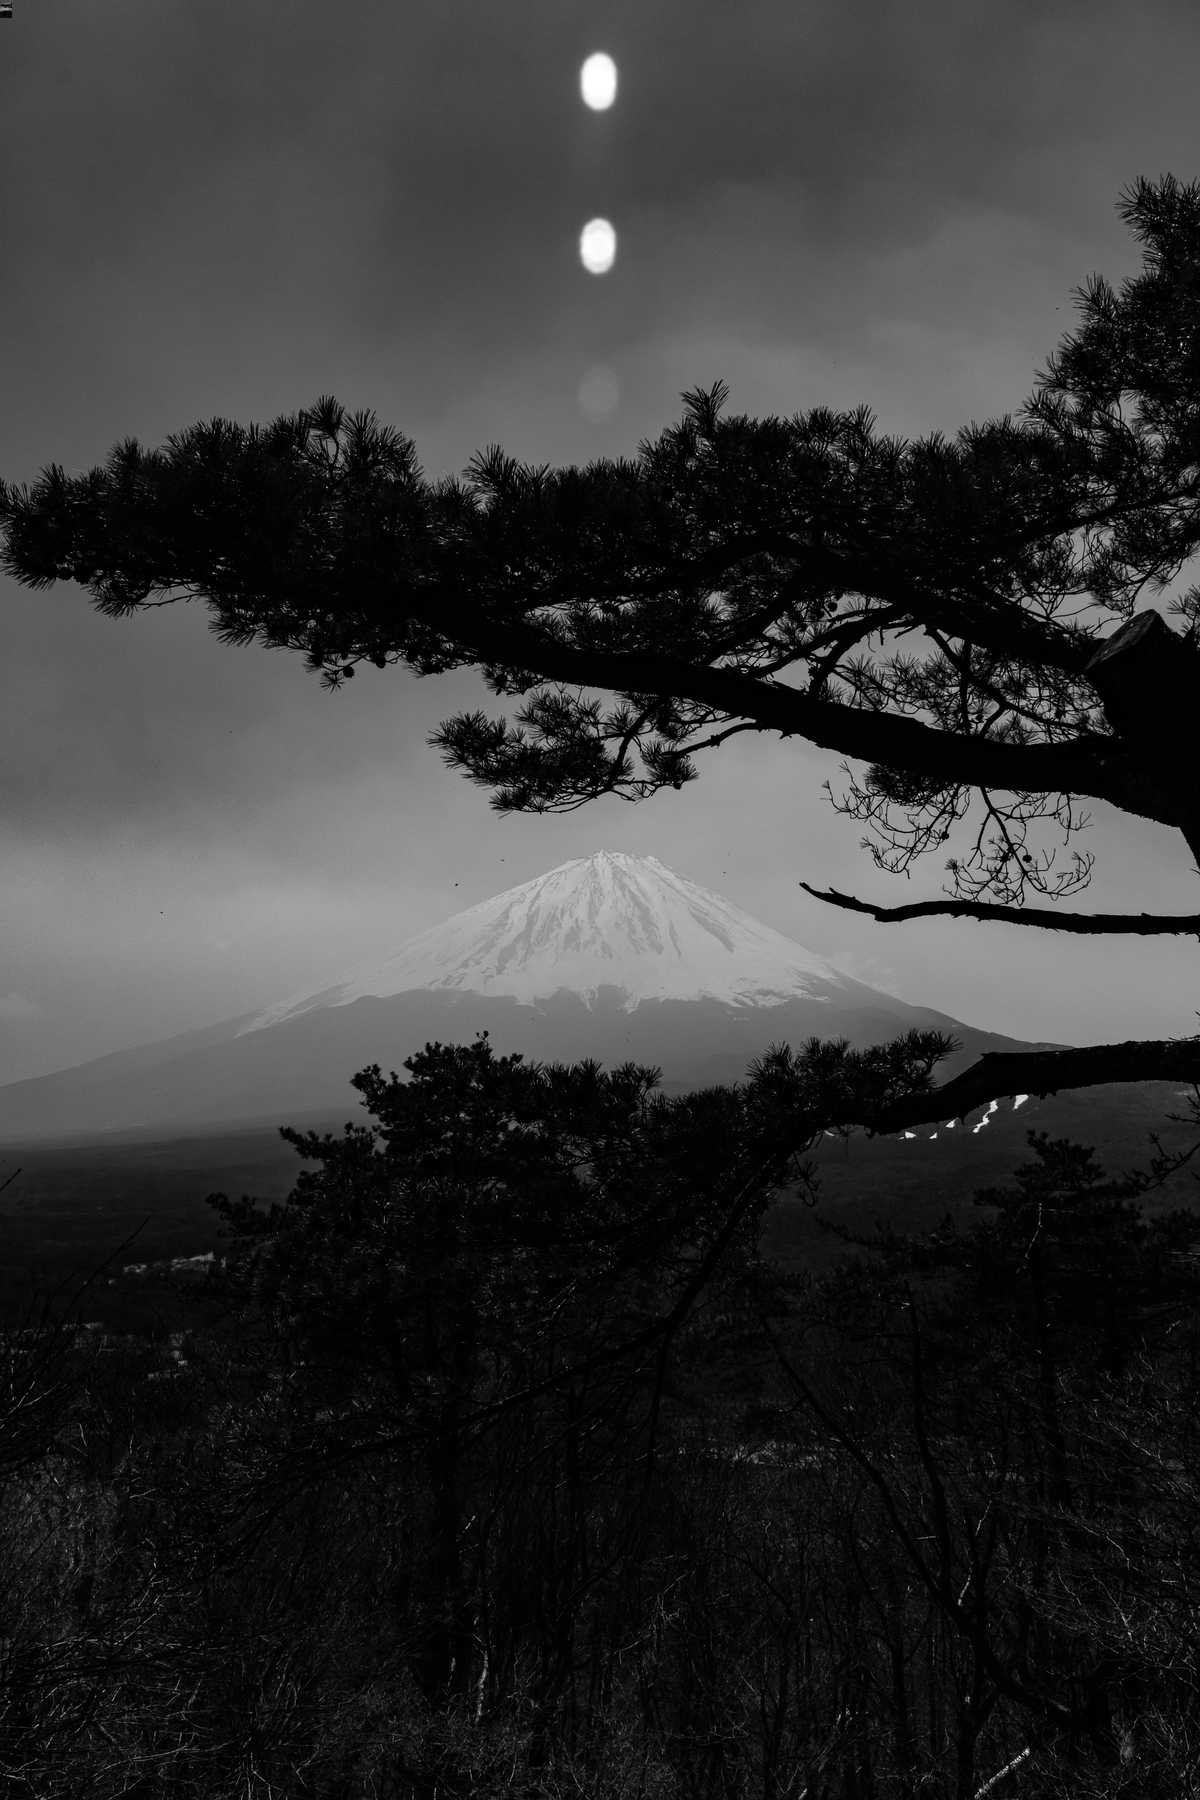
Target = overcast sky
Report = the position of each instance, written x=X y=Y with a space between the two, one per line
x=229 y=209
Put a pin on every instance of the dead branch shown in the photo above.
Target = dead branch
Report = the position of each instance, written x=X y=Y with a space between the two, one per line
x=1138 y=924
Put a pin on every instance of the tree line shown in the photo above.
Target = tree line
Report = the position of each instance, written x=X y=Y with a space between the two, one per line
x=508 y=1464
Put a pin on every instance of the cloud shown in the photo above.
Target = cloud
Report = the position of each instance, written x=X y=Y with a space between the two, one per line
x=821 y=205
x=872 y=971
x=17 y=1006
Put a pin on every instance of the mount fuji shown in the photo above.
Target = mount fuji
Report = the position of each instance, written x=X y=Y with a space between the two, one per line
x=623 y=926
x=611 y=956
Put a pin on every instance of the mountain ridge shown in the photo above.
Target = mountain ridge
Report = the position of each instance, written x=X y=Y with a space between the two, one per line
x=611 y=957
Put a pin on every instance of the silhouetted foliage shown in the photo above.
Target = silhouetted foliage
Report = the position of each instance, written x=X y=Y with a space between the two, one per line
x=508 y=1464
x=511 y=1467
x=685 y=581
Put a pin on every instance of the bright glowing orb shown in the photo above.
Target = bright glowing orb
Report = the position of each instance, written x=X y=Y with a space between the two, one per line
x=597 y=246
x=598 y=81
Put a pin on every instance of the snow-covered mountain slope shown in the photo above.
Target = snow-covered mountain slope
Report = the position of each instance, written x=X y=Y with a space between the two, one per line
x=626 y=923
x=611 y=957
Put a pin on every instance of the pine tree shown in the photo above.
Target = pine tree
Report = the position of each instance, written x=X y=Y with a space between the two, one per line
x=685 y=581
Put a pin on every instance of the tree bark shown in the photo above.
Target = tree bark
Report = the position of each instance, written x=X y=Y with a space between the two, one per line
x=1148 y=677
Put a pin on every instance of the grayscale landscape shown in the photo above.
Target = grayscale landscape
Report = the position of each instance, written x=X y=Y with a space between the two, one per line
x=599 y=1024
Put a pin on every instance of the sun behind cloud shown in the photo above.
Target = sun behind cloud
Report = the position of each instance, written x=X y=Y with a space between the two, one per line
x=598 y=81
x=597 y=246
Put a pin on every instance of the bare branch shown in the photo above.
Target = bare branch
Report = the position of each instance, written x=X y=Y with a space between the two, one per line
x=1008 y=1768
x=1042 y=1072
x=1137 y=924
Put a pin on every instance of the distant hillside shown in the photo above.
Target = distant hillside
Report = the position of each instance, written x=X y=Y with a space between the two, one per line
x=75 y=1204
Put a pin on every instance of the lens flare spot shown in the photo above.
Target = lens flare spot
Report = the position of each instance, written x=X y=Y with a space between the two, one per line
x=599 y=393
x=597 y=246
x=598 y=81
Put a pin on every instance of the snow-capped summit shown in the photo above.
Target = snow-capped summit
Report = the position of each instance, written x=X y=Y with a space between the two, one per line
x=608 y=921
x=610 y=958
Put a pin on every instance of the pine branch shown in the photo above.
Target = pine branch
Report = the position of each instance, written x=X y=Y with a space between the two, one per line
x=1093 y=765
x=1041 y=1072
x=1137 y=924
